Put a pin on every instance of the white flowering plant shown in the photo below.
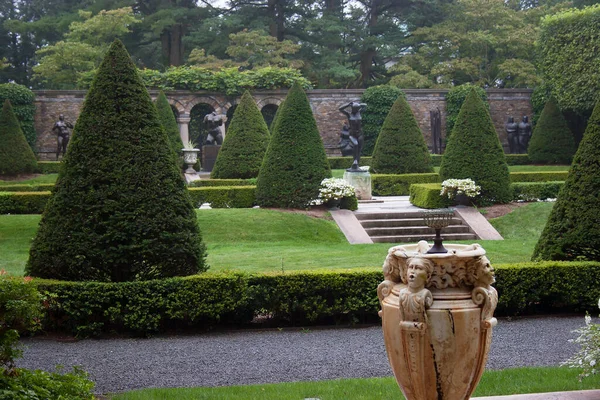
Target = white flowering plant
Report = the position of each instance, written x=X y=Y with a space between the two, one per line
x=333 y=189
x=588 y=356
x=453 y=187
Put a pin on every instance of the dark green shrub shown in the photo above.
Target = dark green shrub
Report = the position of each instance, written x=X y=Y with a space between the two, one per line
x=16 y=156
x=49 y=167
x=517 y=159
x=295 y=162
x=379 y=100
x=427 y=195
x=400 y=147
x=22 y=100
x=23 y=202
x=549 y=176
x=474 y=152
x=573 y=229
x=532 y=191
x=551 y=142
x=399 y=185
x=120 y=210
x=224 y=196
x=222 y=182
x=346 y=162
x=169 y=123
x=41 y=187
x=245 y=144
x=27 y=385
x=539 y=97
x=454 y=101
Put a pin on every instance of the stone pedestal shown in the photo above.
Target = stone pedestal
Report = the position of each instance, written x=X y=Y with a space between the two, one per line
x=361 y=182
x=209 y=156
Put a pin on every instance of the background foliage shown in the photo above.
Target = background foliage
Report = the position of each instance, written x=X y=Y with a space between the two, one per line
x=379 y=100
x=21 y=99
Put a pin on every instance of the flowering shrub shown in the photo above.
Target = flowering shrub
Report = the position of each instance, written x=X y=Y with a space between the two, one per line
x=453 y=187
x=588 y=356
x=334 y=189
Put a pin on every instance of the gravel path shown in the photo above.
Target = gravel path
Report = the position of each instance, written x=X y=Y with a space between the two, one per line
x=251 y=357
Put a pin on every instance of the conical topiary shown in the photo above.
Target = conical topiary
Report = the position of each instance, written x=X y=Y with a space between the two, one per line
x=573 y=228
x=16 y=157
x=552 y=141
x=244 y=147
x=168 y=122
x=474 y=152
x=400 y=146
x=295 y=162
x=120 y=210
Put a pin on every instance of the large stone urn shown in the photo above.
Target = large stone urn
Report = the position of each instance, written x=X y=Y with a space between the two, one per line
x=437 y=317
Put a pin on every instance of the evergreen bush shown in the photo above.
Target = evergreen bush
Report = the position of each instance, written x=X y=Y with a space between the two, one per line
x=120 y=210
x=474 y=152
x=379 y=100
x=454 y=101
x=245 y=144
x=400 y=147
x=573 y=228
x=295 y=162
x=552 y=141
x=22 y=101
x=16 y=156
x=169 y=123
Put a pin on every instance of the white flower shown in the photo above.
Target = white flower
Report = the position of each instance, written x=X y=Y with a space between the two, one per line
x=334 y=189
x=452 y=187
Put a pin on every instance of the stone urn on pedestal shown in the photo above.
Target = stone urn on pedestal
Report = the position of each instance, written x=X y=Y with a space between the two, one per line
x=190 y=157
x=437 y=318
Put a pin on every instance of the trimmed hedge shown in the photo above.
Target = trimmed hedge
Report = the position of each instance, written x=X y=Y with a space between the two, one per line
x=532 y=191
x=427 y=195
x=169 y=124
x=296 y=299
x=517 y=159
x=551 y=176
x=436 y=160
x=454 y=101
x=222 y=182
x=346 y=162
x=49 y=167
x=552 y=141
x=23 y=202
x=224 y=196
x=16 y=156
x=42 y=187
x=399 y=185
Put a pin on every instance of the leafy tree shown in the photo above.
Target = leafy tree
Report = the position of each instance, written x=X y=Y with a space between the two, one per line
x=120 y=210
x=257 y=49
x=474 y=152
x=16 y=157
x=168 y=122
x=379 y=100
x=295 y=162
x=400 y=147
x=552 y=141
x=573 y=230
x=22 y=101
x=244 y=147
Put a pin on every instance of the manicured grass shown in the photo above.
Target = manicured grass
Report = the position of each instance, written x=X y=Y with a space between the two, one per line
x=259 y=240
x=493 y=383
x=49 y=178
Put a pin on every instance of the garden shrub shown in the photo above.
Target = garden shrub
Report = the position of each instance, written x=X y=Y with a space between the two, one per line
x=552 y=141
x=379 y=100
x=454 y=101
x=23 y=202
x=16 y=156
x=39 y=187
x=224 y=196
x=244 y=147
x=49 y=167
x=346 y=162
x=28 y=385
x=549 y=176
x=532 y=191
x=517 y=159
x=120 y=210
x=436 y=160
x=474 y=152
x=400 y=146
x=427 y=195
x=169 y=123
x=22 y=100
x=295 y=162
x=573 y=230
x=222 y=182
x=399 y=185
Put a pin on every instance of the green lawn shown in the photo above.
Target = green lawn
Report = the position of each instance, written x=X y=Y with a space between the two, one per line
x=493 y=383
x=257 y=240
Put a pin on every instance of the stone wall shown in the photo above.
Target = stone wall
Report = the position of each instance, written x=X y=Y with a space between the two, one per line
x=324 y=102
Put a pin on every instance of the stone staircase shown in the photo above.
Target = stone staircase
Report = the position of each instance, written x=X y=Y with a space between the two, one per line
x=408 y=226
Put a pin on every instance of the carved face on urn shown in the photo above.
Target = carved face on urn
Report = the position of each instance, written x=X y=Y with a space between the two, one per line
x=418 y=273
x=485 y=272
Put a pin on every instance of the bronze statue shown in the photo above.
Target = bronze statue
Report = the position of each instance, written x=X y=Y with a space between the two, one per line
x=62 y=135
x=213 y=123
x=345 y=144
x=511 y=132
x=524 y=133
x=356 y=133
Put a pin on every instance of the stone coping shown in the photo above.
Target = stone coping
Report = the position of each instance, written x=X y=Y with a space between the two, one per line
x=574 y=395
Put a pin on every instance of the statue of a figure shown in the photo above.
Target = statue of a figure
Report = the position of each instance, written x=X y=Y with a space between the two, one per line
x=524 y=132
x=345 y=144
x=62 y=135
x=511 y=132
x=213 y=123
x=356 y=133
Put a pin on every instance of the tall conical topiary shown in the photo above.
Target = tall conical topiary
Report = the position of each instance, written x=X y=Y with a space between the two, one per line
x=295 y=162
x=400 y=146
x=474 y=152
x=120 y=210
x=244 y=147
x=168 y=122
x=16 y=157
x=552 y=141
x=573 y=228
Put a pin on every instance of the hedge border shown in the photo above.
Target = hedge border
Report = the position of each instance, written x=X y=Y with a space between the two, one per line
x=223 y=182
x=23 y=202
x=49 y=167
x=291 y=299
x=224 y=196
x=436 y=160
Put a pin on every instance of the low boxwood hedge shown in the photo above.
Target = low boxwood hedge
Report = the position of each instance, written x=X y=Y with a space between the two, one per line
x=42 y=187
x=224 y=196
x=346 y=162
x=23 y=202
x=427 y=195
x=49 y=167
x=290 y=299
x=551 y=176
x=398 y=185
x=223 y=182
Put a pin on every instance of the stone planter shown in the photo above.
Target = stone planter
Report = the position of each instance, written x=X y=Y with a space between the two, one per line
x=462 y=200
x=437 y=319
x=190 y=157
x=334 y=204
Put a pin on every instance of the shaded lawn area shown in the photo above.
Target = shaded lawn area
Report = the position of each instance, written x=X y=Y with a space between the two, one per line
x=493 y=383
x=259 y=240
